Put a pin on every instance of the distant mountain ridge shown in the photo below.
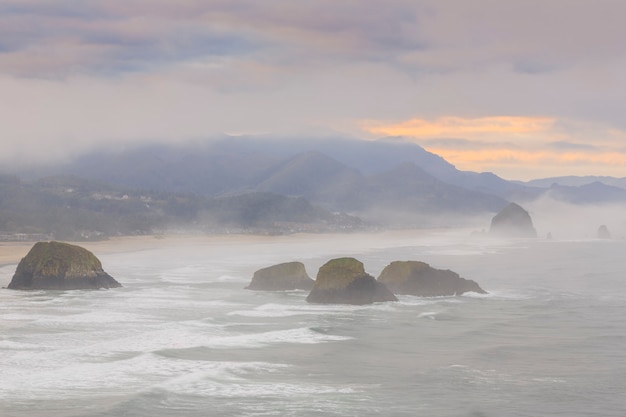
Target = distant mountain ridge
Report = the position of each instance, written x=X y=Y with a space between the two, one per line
x=72 y=208
x=238 y=160
x=577 y=181
x=592 y=193
x=318 y=172
x=389 y=180
x=313 y=175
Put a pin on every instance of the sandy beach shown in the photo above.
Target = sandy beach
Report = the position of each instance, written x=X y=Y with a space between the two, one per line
x=13 y=252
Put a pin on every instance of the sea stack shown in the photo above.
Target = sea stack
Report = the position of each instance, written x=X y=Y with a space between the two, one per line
x=60 y=266
x=512 y=221
x=420 y=279
x=603 y=232
x=344 y=281
x=282 y=277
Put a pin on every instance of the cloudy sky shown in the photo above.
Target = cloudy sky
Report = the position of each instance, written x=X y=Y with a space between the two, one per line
x=524 y=89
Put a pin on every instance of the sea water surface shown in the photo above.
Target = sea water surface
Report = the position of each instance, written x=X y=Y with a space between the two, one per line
x=184 y=338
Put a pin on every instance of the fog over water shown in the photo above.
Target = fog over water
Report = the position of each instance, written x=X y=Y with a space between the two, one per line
x=571 y=221
x=183 y=336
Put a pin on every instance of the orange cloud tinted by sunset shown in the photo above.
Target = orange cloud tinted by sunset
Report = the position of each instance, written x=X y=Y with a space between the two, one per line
x=513 y=146
x=455 y=127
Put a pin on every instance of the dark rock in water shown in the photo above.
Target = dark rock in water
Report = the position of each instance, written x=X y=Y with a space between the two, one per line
x=60 y=266
x=281 y=277
x=513 y=221
x=420 y=279
x=344 y=281
x=603 y=232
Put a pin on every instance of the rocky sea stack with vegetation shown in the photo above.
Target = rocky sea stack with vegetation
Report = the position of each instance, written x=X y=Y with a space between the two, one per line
x=282 y=277
x=60 y=266
x=422 y=280
x=344 y=281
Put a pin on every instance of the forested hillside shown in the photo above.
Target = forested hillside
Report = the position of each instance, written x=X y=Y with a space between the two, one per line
x=72 y=208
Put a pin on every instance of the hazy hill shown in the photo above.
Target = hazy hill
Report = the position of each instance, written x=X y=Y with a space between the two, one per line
x=205 y=169
x=341 y=174
x=410 y=187
x=404 y=188
x=72 y=208
x=315 y=176
x=593 y=193
x=373 y=157
x=228 y=164
x=264 y=183
x=575 y=181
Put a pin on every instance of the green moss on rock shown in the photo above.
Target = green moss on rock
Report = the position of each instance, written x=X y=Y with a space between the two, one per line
x=339 y=273
x=344 y=281
x=60 y=266
x=281 y=277
x=420 y=279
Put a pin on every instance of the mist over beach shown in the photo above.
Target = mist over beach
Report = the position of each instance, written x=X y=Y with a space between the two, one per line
x=183 y=335
x=279 y=208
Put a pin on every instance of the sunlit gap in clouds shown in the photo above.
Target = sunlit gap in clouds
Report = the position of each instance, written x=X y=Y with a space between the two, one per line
x=454 y=127
x=515 y=147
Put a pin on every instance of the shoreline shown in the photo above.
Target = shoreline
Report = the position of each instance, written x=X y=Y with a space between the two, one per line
x=12 y=252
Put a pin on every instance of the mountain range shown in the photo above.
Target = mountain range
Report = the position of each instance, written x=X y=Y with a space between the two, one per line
x=386 y=182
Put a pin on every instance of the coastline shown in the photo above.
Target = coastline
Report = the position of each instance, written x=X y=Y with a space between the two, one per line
x=12 y=252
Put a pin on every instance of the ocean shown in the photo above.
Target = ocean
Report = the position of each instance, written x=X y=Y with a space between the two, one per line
x=184 y=338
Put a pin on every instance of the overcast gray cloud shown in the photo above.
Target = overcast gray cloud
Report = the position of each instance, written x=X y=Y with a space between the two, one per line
x=422 y=36
x=117 y=71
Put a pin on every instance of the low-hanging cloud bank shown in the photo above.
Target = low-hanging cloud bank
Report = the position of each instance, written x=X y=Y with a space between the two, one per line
x=75 y=75
x=570 y=221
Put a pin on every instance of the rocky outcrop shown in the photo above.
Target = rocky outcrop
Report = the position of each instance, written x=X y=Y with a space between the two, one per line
x=512 y=221
x=603 y=232
x=60 y=266
x=420 y=279
x=344 y=281
x=281 y=277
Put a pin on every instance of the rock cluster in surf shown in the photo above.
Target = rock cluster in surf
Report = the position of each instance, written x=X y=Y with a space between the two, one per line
x=344 y=281
x=282 y=277
x=60 y=266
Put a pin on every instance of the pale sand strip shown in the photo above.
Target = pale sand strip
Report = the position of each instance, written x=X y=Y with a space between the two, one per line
x=13 y=252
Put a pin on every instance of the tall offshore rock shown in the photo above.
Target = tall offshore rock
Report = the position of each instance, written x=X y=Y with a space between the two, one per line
x=513 y=221
x=420 y=279
x=603 y=232
x=281 y=277
x=344 y=281
x=60 y=266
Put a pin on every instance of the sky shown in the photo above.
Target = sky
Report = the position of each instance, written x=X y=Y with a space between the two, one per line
x=525 y=89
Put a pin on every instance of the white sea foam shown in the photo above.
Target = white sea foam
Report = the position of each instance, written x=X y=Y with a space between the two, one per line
x=91 y=318
x=412 y=300
x=231 y=278
x=302 y=335
x=428 y=315
x=199 y=340
x=9 y=344
x=76 y=379
x=491 y=376
x=201 y=386
x=274 y=310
